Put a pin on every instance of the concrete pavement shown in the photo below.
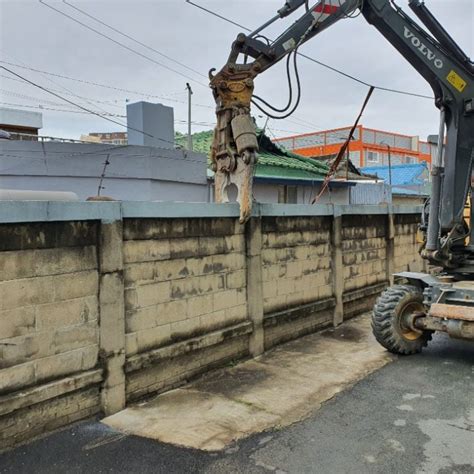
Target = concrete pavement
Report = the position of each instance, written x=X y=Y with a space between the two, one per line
x=274 y=390
x=413 y=415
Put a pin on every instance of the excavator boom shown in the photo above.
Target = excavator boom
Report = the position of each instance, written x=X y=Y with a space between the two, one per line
x=435 y=56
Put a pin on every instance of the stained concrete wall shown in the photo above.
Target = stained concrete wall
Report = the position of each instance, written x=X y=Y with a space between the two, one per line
x=266 y=192
x=405 y=242
x=296 y=261
x=105 y=303
x=184 y=279
x=49 y=326
x=134 y=173
x=297 y=276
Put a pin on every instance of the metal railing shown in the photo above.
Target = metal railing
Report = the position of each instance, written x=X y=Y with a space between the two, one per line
x=43 y=138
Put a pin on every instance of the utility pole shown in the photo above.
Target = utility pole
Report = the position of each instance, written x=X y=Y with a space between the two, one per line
x=389 y=154
x=389 y=166
x=190 y=138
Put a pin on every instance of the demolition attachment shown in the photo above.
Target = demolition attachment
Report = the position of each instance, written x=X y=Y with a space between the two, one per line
x=234 y=148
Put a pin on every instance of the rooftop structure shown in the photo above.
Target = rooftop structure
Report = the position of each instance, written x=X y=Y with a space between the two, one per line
x=408 y=180
x=400 y=175
x=150 y=125
x=369 y=147
x=282 y=176
x=20 y=121
x=109 y=138
x=273 y=160
x=121 y=172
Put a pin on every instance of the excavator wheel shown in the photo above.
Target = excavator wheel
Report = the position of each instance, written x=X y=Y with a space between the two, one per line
x=389 y=318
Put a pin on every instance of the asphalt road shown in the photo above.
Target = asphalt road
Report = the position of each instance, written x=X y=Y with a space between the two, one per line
x=413 y=415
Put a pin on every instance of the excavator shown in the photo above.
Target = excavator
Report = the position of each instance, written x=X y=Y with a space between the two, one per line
x=406 y=315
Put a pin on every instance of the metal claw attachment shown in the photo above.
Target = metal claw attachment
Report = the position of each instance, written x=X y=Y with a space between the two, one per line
x=234 y=148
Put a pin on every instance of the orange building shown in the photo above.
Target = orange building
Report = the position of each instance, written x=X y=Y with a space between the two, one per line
x=369 y=147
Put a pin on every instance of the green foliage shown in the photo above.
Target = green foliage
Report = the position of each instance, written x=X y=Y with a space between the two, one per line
x=201 y=141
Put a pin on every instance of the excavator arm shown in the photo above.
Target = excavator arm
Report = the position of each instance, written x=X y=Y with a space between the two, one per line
x=435 y=56
x=235 y=146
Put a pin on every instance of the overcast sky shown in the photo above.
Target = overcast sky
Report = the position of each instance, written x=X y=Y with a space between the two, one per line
x=33 y=35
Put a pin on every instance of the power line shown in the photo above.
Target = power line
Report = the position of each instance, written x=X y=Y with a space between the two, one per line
x=300 y=122
x=46 y=107
x=68 y=92
x=50 y=102
x=228 y=20
x=5 y=91
x=27 y=97
x=65 y=88
x=303 y=123
x=98 y=84
x=292 y=120
x=94 y=152
x=24 y=96
x=134 y=39
x=283 y=130
x=107 y=149
x=84 y=108
x=41 y=160
x=272 y=134
x=295 y=119
x=327 y=66
x=77 y=153
x=360 y=81
x=122 y=44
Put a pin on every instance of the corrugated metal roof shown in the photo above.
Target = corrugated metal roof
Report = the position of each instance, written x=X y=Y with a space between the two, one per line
x=402 y=175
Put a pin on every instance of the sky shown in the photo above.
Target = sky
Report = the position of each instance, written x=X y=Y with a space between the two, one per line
x=34 y=36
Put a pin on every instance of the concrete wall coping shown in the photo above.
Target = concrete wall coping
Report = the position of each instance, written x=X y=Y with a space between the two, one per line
x=136 y=209
x=49 y=211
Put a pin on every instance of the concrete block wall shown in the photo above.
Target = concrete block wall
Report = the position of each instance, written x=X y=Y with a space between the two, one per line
x=49 y=325
x=406 y=244
x=296 y=273
x=296 y=261
x=366 y=261
x=184 y=279
x=102 y=304
x=364 y=251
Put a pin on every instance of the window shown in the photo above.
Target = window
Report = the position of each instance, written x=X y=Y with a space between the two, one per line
x=372 y=157
x=291 y=194
x=410 y=160
x=355 y=157
x=287 y=194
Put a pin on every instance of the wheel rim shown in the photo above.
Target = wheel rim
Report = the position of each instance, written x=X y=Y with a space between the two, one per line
x=408 y=310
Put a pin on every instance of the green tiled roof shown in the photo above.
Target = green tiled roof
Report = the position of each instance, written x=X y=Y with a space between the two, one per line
x=273 y=161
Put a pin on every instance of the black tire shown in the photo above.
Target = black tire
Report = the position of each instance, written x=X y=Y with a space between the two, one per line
x=387 y=320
